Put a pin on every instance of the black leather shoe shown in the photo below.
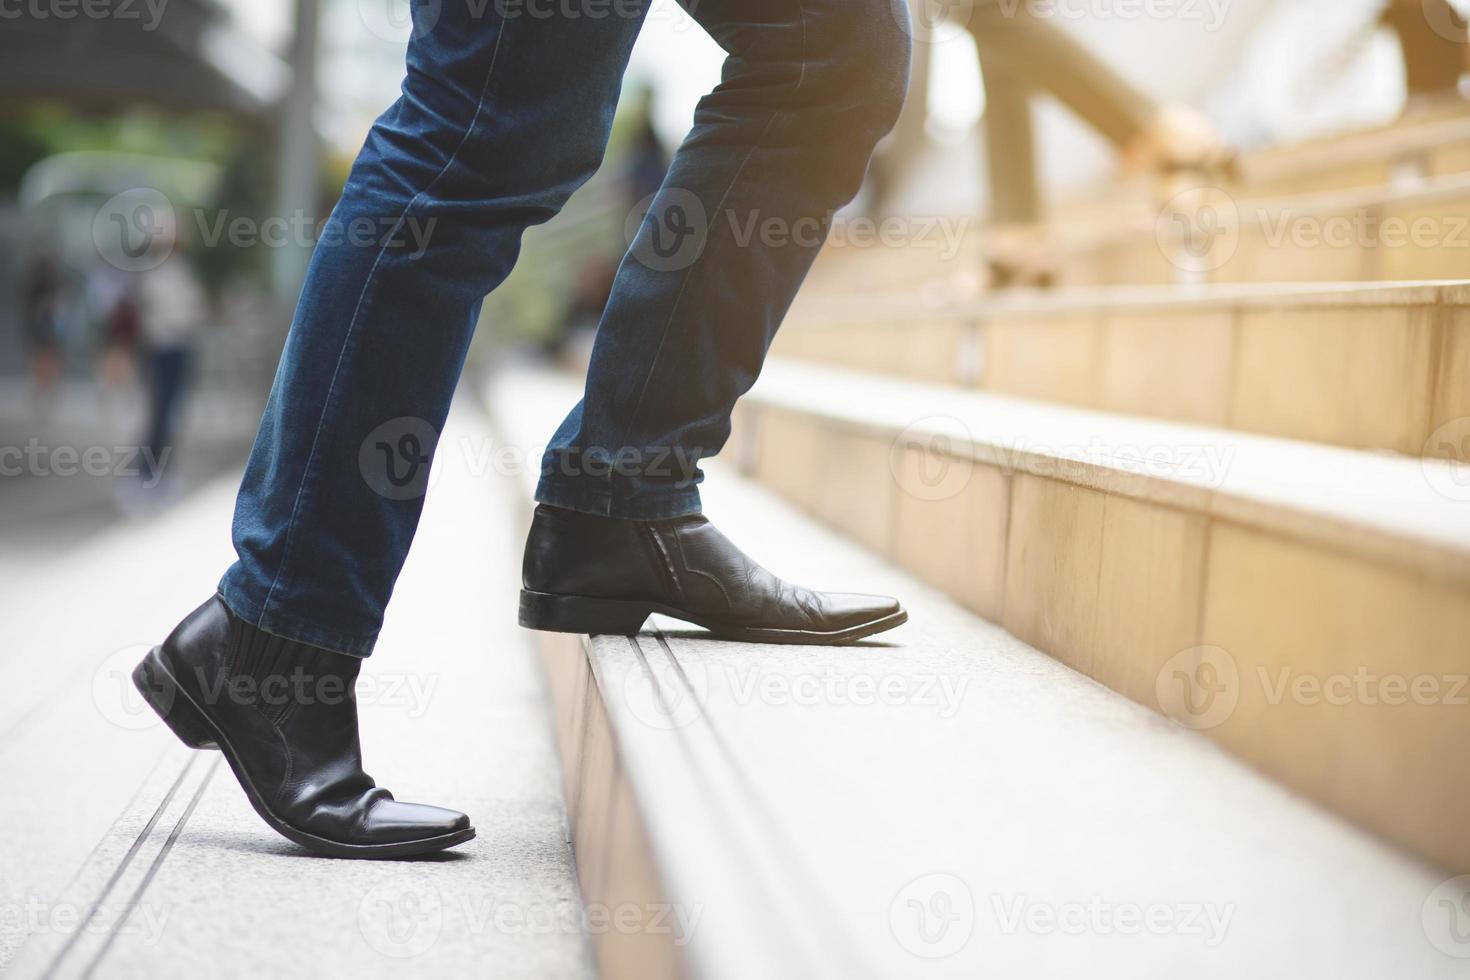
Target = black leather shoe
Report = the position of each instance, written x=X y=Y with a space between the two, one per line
x=285 y=716
x=589 y=574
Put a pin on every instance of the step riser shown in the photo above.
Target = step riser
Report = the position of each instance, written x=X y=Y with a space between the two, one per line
x=1432 y=140
x=615 y=865
x=616 y=870
x=1276 y=180
x=1250 y=242
x=1352 y=177
x=1131 y=591
x=1216 y=237
x=1361 y=377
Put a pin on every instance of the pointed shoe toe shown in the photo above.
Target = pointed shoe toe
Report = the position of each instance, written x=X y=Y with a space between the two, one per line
x=391 y=821
x=844 y=611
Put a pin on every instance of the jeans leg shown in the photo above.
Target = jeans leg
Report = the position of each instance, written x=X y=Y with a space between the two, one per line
x=809 y=87
x=505 y=111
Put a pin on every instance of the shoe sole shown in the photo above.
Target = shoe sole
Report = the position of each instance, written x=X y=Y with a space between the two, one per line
x=158 y=686
x=555 y=613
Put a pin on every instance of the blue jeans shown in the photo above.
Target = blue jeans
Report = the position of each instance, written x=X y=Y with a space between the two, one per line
x=505 y=111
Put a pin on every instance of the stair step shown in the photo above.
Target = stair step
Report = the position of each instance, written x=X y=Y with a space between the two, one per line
x=1410 y=230
x=1138 y=551
x=1363 y=365
x=1415 y=231
x=1429 y=143
x=929 y=803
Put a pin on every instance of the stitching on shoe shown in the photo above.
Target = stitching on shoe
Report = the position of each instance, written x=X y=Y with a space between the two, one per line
x=684 y=559
x=290 y=770
x=675 y=585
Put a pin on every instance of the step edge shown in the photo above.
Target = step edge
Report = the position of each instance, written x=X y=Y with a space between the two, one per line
x=1446 y=555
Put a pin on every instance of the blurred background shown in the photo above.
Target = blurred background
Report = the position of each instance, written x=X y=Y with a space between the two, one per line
x=238 y=122
x=232 y=126
x=1183 y=225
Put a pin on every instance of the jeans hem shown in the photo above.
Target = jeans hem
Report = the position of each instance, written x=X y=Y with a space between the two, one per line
x=600 y=503
x=299 y=631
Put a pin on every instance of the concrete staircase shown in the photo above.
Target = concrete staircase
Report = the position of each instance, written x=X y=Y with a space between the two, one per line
x=1431 y=142
x=1362 y=365
x=1259 y=487
x=1388 y=203
x=1415 y=229
x=1228 y=480
x=947 y=800
x=1292 y=589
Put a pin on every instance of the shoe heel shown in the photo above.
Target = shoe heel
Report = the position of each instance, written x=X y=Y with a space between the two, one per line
x=161 y=691
x=582 y=614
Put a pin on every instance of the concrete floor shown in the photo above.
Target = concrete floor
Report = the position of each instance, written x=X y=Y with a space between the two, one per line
x=1031 y=792
x=108 y=815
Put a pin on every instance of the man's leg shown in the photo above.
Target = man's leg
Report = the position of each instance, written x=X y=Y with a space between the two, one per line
x=505 y=111
x=501 y=119
x=809 y=88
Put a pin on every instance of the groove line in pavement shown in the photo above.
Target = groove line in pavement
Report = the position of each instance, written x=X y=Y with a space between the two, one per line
x=127 y=808
x=778 y=926
x=119 y=871
x=137 y=896
x=795 y=865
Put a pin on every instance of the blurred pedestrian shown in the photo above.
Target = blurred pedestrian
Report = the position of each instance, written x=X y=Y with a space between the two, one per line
x=643 y=174
x=648 y=160
x=42 y=302
x=171 y=308
x=116 y=299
